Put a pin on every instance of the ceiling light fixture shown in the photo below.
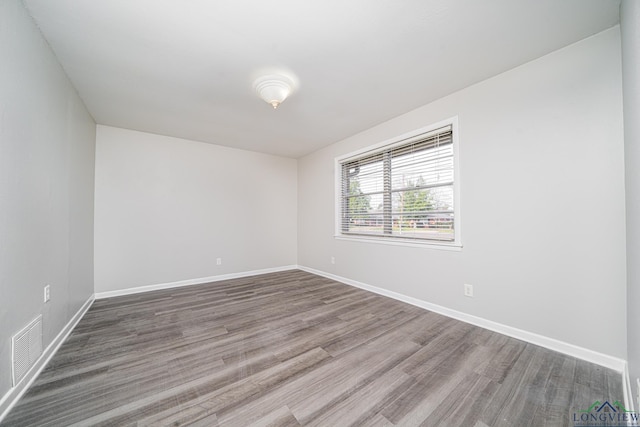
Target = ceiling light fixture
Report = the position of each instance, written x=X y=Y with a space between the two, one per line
x=273 y=88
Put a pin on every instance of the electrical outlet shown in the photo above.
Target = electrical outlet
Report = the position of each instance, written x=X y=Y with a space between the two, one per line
x=468 y=290
x=333 y=260
x=47 y=293
x=219 y=261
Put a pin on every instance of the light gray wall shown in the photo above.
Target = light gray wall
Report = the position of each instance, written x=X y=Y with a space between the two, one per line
x=166 y=208
x=630 y=29
x=47 y=143
x=542 y=186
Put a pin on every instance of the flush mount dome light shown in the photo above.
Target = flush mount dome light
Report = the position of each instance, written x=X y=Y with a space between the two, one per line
x=273 y=88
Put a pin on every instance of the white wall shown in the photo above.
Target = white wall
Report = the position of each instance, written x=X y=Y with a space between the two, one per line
x=630 y=29
x=47 y=143
x=542 y=185
x=166 y=208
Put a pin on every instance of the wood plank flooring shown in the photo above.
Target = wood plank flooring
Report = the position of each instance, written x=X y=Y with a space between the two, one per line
x=292 y=348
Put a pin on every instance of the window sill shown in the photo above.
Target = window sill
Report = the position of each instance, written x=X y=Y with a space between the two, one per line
x=443 y=246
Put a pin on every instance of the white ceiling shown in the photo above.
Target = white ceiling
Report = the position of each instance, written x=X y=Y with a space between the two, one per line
x=185 y=68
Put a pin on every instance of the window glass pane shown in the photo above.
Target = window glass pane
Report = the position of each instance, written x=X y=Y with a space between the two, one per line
x=436 y=226
x=423 y=168
x=423 y=200
x=364 y=214
x=423 y=213
x=366 y=179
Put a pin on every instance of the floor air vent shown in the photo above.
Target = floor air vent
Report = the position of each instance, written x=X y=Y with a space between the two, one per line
x=26 y=347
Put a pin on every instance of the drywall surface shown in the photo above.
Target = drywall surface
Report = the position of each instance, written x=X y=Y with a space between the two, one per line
x=630 y=30
x=47 y=147
x=167 y=208
x=542 y=202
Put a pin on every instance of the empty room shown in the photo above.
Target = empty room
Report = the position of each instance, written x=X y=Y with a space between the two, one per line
x=329 y=213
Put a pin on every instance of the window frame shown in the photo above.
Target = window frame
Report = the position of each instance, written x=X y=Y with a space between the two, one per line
x=390 y=144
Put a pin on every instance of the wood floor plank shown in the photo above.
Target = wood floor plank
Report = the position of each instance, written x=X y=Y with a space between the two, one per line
x=433 y=385
x=281 y=417
x=465 y=403
x=291 y=349
x=343 y=376
x=361 y=406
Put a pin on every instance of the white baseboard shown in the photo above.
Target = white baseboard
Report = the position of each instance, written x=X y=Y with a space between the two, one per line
x=533 y=338
x=626 y=389
x=14 y=394
x=190 y=282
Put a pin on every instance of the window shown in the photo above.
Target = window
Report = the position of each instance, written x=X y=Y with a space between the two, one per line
x=403 y=191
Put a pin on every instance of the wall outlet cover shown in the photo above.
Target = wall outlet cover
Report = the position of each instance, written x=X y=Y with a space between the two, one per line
x=468 y=290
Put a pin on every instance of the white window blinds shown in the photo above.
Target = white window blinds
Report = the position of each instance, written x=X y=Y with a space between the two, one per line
x=402 y=191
